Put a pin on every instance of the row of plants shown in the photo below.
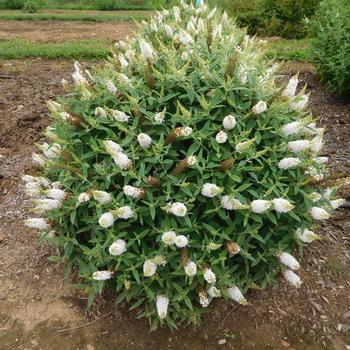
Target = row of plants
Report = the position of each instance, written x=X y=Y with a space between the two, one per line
x=102 y=5
x=180 y=172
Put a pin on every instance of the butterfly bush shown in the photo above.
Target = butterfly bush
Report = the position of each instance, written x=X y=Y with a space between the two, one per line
x=180 y=172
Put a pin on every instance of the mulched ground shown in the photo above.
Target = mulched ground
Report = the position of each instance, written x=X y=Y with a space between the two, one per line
x=61 y=31
x=34 y=301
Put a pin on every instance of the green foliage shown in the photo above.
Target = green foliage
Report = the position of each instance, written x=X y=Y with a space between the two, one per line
x=76 y=16
x=18 y=48
x=331 y=45
x=187 y=112
x=12 y=4
x=31 y=6
x=285 y=18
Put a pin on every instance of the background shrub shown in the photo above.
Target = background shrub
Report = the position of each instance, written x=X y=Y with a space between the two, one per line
x=180 y=172
x=331 y=45
x=31 y=6
x=286 y=18
x=12 y=4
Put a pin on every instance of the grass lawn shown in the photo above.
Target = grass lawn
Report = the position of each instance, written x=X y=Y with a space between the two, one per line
x=100 y=16
x=93 y=49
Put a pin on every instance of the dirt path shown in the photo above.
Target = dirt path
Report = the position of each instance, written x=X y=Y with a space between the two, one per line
x=60 y=31
x=35 y=303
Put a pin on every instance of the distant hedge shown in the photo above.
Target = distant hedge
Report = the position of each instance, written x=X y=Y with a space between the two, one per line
x=286 y=18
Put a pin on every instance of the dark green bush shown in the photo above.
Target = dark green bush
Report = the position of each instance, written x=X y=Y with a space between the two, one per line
x=286 y=18
x=12 y=4
x=31 y=6
x=331 y=46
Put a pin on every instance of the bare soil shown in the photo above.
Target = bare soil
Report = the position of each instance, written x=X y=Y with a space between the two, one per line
x=38 y=310
x=61 y=31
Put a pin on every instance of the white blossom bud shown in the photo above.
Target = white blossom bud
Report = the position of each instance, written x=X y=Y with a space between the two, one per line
x=123 y=78
x=230 y=203
x=214 y=292
x=146 y=49
x=242 y=74
x=210 y=190
x=292 y=278
x=203 y=299
x=168 y=31
x=287 y=163
x=229 y=122
x=130 y=55
x=243 y=146
x=200 y=25
x=47 y=204
x=224 y=17
x=100 y=112
x=124 y=212
x=111 y=87
x=144 y=140
x=191 y=160
x=122 y=161
x=159 y=117
x=162 y=303
x=39 y=223
x=259 y=206
x=319 y=213
x=186 y=38
x=298 y=146
x=169 y=237
x=260 y=107
x=149 y=268
x=101 y=196
x=120 y=116
x=123 y=62
x=291 y=88
x=50 y=151
x=112 y=148
x=221 y=137
x=315 y=197
x=306 y=235
x=117 y=248
x=132 y=191
x=209 y=276
x=178 y=209
x=282 y=205
x=55 y=193
x=102 y=275
x=292 y=128
x=38 y=159
x=191 y=269
x=106 y=220
x=288 y=260
x=321 y=160
x=235 y=294
x=299 y=103
x=186 y=131
x=83 y=197
x=181 y=241
x=316 y=144
x=336 y=203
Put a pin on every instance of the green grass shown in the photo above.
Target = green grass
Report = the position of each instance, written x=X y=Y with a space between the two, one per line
x=18 y=48
x=93 y=49
x=105 y=5
x=103 y=17
x=298 y=50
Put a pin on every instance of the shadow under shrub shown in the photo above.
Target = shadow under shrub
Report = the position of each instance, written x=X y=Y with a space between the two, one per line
x=331 y=45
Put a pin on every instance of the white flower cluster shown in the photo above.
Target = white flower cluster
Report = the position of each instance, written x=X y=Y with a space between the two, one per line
x=170 y=238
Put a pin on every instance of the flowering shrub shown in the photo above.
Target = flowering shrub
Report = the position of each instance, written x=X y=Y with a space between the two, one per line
x=180 y=172
x=331 y=45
